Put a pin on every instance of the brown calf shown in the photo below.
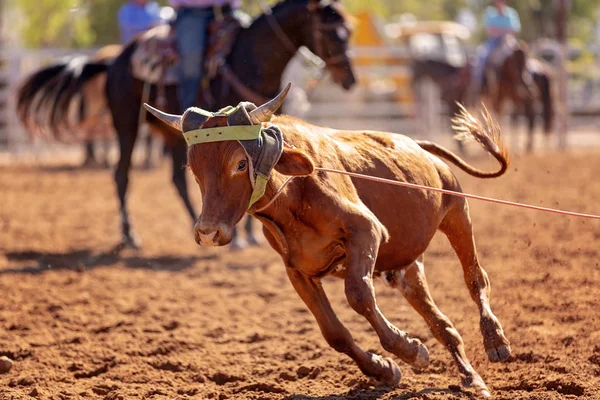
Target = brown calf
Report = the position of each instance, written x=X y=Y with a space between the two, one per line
x=329 y=224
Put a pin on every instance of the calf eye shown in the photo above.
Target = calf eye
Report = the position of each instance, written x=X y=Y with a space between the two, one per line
x=242 y=165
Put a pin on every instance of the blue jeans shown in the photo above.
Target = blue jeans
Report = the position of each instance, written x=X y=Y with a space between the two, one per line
x=191 y=31
x=484 y=52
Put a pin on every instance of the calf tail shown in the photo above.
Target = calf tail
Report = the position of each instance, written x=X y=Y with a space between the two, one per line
x=487 y=133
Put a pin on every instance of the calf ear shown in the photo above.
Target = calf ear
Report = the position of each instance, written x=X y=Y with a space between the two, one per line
x=294 y=163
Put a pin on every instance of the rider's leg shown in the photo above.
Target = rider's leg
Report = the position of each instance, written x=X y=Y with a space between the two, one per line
x=191 y=30
x=483 y=54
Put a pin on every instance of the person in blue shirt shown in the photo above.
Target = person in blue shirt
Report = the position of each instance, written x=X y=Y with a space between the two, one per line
x=499 y=20
x=137 y=16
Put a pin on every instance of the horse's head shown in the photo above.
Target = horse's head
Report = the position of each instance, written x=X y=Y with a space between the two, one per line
x=231 y=155
x=330 y=33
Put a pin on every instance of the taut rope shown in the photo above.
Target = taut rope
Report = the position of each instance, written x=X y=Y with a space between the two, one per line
x=445 y=191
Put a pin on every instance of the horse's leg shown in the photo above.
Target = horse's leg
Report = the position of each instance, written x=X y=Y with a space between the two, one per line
x=179 y=157
x=411 y=282
x=126 y=125
x=237 y=243
x=148 y=144
x=337 y=336
x=250 y=236
x=515 y=117
x=502 y=95
x=530 y=114
x=90 y=158
x=457 y=227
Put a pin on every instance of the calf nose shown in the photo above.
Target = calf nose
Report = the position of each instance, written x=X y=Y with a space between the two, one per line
x=206 y=236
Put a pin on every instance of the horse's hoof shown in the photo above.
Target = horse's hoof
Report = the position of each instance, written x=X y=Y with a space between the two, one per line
x=499 y=353
x=474 y=382
x=253 y=240
x=130 y=242
x=237 y=245
x=148 y=165
x=91 y=163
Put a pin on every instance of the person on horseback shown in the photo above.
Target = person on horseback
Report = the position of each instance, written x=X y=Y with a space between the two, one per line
x=191 y=32
x=499 y=20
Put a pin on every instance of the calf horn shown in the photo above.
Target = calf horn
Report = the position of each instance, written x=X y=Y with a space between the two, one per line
x=264 y=112
x=172 y=120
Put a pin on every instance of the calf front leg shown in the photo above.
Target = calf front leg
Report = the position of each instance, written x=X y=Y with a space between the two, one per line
x=338 y=337
x=361 y=255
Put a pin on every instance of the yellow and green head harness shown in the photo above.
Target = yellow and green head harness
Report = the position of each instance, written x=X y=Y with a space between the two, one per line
x=263 y=146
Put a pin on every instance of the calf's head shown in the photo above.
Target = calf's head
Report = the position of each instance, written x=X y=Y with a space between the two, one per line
x=231 y=155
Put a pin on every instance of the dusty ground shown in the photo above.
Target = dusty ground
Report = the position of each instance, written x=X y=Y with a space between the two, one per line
x=174 y=321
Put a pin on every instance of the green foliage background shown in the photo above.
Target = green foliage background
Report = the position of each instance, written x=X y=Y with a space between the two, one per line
x=78 y=23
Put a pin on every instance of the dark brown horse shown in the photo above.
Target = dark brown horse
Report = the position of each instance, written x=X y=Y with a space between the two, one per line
x=258 y=58
x=517 y=78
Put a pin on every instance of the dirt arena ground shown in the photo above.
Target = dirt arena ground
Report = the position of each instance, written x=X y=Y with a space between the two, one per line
x=174 y=321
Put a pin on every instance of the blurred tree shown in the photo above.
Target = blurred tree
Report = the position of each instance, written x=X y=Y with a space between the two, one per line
x=538 y=17
x=255 y=7
x=103 y=19
x=76 y=23
x=58 y=23
x=425 y=10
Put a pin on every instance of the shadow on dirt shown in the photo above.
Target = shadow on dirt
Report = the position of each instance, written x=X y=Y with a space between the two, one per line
x=80 y=260
x=96 y=167
x=373 y=394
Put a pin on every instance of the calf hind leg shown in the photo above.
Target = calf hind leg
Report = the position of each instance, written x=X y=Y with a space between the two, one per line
x=411 y=282
x=457 y=227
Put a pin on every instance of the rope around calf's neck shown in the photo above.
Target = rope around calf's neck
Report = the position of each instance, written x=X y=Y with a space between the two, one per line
x=445 y=191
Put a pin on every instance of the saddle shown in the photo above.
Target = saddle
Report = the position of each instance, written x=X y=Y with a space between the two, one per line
x=155 y=59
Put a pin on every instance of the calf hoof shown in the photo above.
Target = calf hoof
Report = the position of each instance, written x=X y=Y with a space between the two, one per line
x=475 y=383
x=422 y=359
x=499 y=353
x=496 y=344
x=392 y=375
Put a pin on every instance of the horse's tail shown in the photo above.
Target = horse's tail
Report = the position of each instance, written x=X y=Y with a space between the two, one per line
x=487 y=133
x=546 y=93
x=46 y=99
